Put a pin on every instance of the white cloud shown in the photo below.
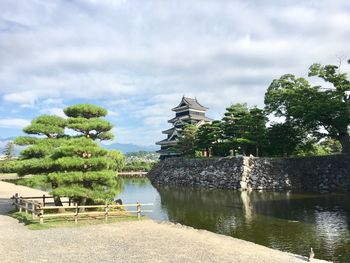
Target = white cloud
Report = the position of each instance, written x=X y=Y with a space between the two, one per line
x=142 y=57
x=25 y=98
x=113 y=114
x=54 y=111
x=13 y=123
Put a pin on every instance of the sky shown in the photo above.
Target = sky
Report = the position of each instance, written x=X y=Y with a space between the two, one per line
x=137 y=58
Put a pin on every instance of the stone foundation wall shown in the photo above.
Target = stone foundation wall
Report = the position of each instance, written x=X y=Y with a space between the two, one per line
x=326 y=173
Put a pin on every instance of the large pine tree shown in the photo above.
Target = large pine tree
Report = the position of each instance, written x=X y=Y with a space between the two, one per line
x=76 y=166
x=36 y=157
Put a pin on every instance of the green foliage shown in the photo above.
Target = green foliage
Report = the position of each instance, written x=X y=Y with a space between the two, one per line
x=48 y=125
x=142 y=156
x=86 y=111
x=186 y=145
x=241 y=131
x=9 y=151
x=74 y=166
x=209 y=138
x=34 y=166
x=95 y=128
x=82 y=169
x=311 y=107
x=329 y=146
x=26 y=140
x=8 y=166
x=85 y=119
x=118 y=158
x=244 y=129
x=138 y=166
x=285 y=139
x=37 y=181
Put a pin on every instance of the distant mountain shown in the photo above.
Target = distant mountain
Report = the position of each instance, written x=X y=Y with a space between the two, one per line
x=126 y=148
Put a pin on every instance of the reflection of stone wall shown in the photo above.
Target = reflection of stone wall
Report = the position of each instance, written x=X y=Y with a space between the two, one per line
x=326 y=173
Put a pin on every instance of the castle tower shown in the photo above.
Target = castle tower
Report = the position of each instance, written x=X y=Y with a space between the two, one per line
x=189 y=111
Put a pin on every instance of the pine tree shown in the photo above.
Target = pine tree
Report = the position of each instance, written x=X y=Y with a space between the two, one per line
x=186 y=145
x=36 y=158
x=83 y=171
x=86 y=120
x=86 y=171
x=76 y=166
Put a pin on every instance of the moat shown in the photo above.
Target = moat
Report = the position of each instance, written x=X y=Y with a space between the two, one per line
x=287 y=221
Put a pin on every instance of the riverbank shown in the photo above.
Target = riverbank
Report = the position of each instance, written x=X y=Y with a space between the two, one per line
x=145 y=241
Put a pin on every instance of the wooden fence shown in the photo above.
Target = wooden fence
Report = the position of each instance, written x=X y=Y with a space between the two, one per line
x=37 y=209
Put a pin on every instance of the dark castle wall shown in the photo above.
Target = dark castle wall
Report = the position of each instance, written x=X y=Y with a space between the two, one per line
x=326 y=173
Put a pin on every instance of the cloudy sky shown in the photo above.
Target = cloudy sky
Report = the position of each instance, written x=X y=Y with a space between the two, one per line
x=138 y=58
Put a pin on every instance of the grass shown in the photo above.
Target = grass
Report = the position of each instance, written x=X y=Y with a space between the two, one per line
x=67 y=222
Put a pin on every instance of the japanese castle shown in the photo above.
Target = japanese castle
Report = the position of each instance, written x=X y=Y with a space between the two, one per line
x=189 y=111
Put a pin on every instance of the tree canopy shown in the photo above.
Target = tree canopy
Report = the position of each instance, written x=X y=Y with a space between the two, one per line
x=86 y=119
x=323 y=112
x=75 y=166
x=187 y=142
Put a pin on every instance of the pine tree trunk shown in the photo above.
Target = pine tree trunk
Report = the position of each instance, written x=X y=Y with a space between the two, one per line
x=82 y=201
x=56 y=198
x=344 y=140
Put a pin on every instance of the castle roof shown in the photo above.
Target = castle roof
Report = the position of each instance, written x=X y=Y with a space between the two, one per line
x=190 y=117
x=189 y=103
x=171 y=130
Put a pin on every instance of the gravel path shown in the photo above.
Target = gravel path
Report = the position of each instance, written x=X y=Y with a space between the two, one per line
x=144 y=241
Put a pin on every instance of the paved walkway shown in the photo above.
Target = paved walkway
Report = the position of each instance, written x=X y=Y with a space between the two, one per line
x=144 y=241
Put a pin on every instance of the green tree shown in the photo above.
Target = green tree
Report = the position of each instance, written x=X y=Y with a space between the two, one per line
x=209 y=138
x=285 y=139
x=330 y=146
x=256 y=125
x=118 y=158
x=87 y=169
x=86 y=120
x=75 y=166
x=9 y=151
x=244 y=129
x=83 y=171
x=312 y=107
x=36 y=157
x=186 y=145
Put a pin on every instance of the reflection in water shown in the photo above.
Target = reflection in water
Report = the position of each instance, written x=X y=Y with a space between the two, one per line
x=291 y=222
x=248 y=212
x=331 y=227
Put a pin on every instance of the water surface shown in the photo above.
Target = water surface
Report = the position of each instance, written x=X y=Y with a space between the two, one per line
x=291 y=222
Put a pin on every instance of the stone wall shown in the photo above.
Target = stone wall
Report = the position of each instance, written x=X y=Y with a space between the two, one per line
x=326 y=173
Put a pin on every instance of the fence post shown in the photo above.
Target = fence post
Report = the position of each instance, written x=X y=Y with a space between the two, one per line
x=69 y=201
x=16 y=200
x=41 y=216
x=44 y=200
x=106 y=213
x=33 y=210
x=26 y=207
x=76 y=214
x=138 y=206
x=20 y=204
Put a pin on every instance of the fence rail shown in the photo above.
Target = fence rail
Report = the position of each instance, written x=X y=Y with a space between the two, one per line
x=37 y=209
